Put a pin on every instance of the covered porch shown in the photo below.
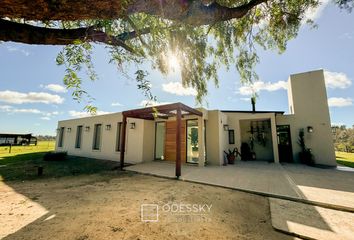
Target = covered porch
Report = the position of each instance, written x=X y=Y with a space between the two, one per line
x=178 y=134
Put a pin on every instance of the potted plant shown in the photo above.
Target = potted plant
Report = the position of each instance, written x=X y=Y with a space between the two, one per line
x=231 y=155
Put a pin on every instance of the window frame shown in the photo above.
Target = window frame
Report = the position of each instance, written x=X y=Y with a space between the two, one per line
x=78 y=139
x=231 y=136
x=95 y=137
x=61 y=137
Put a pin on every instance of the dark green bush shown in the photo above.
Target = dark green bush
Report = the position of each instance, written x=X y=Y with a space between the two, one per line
x=55 y=156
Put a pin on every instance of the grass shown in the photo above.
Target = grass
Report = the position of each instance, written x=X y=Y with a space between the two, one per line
x=22 y=163
x=346 y=159
x=43 y=146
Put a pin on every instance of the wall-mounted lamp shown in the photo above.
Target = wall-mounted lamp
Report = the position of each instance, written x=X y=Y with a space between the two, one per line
x=87 y=128
x=226 y=127
x=58 y=129
x=68 y=130
x=132 y=125
x=108 y=127
x=309 y=129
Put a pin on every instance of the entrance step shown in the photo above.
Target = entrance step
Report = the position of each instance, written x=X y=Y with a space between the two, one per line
x=309 y=221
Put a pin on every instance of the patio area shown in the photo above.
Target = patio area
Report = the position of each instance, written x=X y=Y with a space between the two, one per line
x=331 y=188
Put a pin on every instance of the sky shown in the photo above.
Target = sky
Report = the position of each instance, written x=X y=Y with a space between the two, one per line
x=33 y=98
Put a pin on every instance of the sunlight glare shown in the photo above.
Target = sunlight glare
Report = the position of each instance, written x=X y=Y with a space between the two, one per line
x=173 y=62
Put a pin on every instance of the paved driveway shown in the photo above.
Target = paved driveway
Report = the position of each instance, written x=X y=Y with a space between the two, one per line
x=326 y=187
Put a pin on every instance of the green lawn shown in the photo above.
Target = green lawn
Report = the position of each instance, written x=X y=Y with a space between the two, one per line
x=345 y=158
x=22 y=163
x=43 y=146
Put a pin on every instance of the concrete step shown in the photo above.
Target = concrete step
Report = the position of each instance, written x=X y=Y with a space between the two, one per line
x=311 y=222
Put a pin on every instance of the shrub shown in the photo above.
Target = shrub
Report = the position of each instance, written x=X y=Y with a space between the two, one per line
x=305 y=156
x=55 y=156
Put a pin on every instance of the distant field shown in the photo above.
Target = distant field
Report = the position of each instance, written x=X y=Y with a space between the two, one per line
x=42 y=146
x=345 y=158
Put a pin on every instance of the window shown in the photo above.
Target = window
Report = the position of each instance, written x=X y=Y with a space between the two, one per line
x=78 y=137
x=97 y=137
x=119 y=132
x=61 y=137
x=231 y=137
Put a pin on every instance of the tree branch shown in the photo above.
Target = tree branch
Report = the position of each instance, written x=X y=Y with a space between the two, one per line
x=193 y=12
x=25 y=33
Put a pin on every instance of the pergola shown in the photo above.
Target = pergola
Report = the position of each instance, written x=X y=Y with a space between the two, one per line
x=178 y=110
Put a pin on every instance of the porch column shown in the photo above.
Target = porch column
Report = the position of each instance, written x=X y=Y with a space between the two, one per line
x=122 y=142
x=273 y=129
x=178 y=142
x=201 y=138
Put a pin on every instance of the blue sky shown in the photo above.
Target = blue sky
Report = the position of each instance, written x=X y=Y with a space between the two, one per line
x=32 y=99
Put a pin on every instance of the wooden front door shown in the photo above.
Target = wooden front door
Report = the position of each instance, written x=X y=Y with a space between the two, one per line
x=170 y=141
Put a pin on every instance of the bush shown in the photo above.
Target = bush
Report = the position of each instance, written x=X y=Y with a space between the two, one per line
x=55 y=156
x=306 y=157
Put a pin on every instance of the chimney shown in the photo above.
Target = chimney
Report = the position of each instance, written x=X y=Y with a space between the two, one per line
x=253 y=101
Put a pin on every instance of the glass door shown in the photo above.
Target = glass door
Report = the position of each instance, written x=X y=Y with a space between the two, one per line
x=160 y=133
x=192 y=141
x=284 y=143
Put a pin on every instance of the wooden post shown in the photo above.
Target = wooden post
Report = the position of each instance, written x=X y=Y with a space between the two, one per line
x=178 y=142
x=122 y=142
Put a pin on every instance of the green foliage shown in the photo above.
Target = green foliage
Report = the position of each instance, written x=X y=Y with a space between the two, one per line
x=305 y=155
x=55 y=156
x=343 y=138
x=201 y=50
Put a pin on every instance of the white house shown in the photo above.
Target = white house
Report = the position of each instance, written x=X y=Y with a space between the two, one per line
x=200 y=136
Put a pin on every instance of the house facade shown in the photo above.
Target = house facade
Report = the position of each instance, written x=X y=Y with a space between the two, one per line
x=200 y=136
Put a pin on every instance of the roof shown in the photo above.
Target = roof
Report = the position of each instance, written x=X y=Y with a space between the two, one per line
x=15 y=135
x=241 y=111
x=161 y=111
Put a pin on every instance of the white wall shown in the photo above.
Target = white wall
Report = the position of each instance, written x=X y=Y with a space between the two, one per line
x=308 y=101
x=139 y=147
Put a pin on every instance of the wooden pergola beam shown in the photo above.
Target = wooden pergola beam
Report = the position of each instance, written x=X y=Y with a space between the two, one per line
x=178 y=143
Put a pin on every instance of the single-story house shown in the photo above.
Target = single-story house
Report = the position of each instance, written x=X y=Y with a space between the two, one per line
x=176 y=132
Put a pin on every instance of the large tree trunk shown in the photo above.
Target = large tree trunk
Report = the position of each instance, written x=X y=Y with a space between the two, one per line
x=193 y=12
x=188 y=11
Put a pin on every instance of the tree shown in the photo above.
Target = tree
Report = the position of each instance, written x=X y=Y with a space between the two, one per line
x=202 y=34
x=343 y=138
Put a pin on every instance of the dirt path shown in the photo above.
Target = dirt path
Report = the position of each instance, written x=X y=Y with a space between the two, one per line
x=108 y=207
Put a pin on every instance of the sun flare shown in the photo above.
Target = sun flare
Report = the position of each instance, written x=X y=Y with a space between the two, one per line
x=173 y=62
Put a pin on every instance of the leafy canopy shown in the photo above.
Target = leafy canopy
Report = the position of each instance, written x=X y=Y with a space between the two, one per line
x=200 y=49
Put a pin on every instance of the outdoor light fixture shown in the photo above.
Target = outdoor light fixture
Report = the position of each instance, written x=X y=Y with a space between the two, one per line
x=108 y=127
x=132 y=125
x=58 y=129
x=309 y=129
x=226 y=127
x=69 y=130
x=87 y=128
